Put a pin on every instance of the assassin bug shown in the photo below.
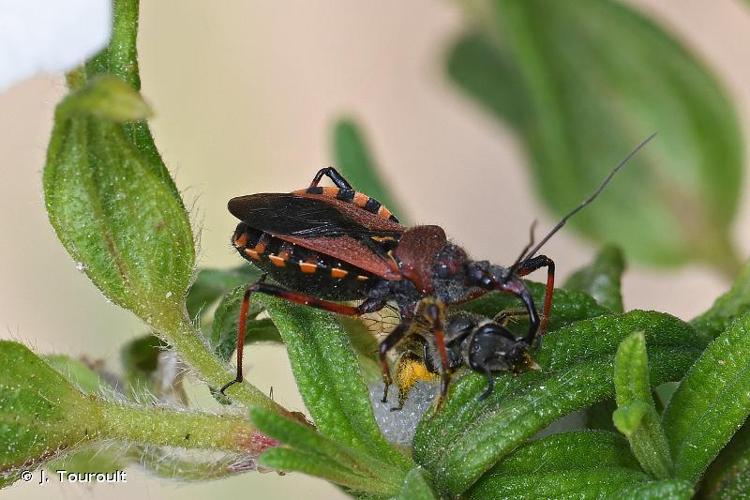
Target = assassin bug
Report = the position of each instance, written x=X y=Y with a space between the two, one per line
x=329 y=245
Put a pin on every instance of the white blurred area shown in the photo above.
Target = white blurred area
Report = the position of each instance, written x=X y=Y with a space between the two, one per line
x=245 y=95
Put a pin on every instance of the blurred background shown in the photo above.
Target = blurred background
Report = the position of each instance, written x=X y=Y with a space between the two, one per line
x=246 y=95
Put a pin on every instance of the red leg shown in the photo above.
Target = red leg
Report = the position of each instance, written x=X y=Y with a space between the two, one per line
x=532 y=265
x=296 y=297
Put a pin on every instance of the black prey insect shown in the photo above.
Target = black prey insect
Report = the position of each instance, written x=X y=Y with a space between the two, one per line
x=326 y=246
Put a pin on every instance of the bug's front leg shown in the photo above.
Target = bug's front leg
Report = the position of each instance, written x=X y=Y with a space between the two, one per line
x=531 y=265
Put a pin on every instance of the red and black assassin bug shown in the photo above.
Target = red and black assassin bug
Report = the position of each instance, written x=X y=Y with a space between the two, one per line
x=328 y=245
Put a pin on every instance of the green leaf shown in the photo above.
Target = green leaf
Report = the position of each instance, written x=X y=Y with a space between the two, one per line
x=711 y=402
x=729 y=475
x=579 y=120
x=568 y=306
x=727 y=307
x=357 y=165
x=486 y=71
x=328 y=376
x=561 y=464
x=602 y=278
x=212 y=284
x=417 y=487
x=317 y=455
x=41 y=413
x=467 y=436
x=636 y=415
x=117 y=219
x=581 y=464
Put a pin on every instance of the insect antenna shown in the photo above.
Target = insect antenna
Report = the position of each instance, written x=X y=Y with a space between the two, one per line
x=520 y=258
x=585 y=202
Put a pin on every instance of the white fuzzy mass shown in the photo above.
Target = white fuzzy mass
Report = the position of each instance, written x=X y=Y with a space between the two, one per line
x=49 y=35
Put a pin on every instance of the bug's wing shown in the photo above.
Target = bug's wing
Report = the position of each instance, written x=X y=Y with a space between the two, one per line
x=307 y=217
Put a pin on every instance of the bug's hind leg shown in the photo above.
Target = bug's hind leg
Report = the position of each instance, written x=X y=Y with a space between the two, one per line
x=296 y=297
x=335 y=177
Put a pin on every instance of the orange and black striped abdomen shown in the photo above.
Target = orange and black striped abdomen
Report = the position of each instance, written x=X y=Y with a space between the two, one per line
x=301 y=269
x=356 y=198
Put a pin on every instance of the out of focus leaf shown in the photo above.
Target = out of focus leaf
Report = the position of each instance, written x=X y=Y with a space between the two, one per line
x=356 y=163
x=78 y=374
x=601 y=278
x=711 y=402
x=467 y=437
x=223 y=336
x=595 y=79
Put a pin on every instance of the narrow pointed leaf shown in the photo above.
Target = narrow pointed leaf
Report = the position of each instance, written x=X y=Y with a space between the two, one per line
x=711 y=402
x=629 y=92
x=315 y=454
x=467 y=437
x=329 y=378
x=602 y=278
x=356 y=163
x=636 y=415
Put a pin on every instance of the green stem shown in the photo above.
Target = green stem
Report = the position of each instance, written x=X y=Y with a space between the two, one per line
x=161 y=426
x=182 y=335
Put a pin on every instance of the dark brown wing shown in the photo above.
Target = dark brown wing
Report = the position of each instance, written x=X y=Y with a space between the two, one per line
x=339 y=230
x=308 y=217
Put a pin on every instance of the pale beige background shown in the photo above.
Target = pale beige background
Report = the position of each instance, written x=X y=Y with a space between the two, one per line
x=245 y=93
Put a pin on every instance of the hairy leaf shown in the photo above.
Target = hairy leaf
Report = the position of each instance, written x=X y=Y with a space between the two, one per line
x=417 y=487
x=41 y=413
x=586 y=97
x=711 y=402
x=115 y=213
